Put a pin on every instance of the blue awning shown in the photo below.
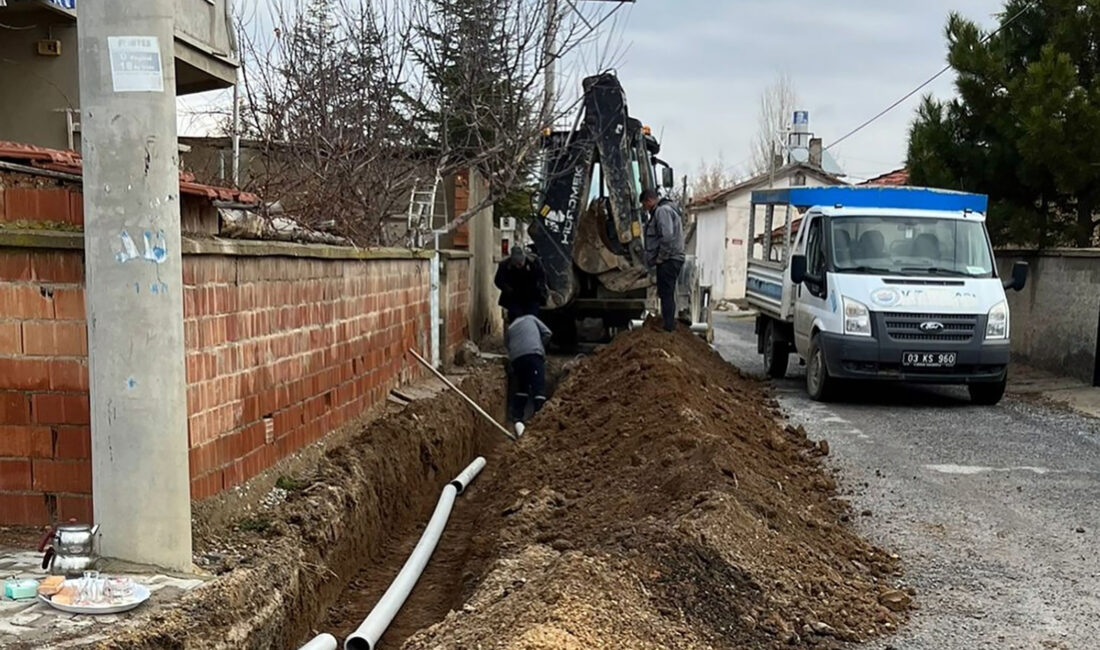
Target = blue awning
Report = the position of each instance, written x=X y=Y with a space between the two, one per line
x=902 y=198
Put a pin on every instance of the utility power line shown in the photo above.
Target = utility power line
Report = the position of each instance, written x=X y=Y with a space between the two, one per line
x=927 y=81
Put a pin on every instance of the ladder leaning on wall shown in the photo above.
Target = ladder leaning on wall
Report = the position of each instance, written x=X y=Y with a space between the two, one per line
x=422 y=211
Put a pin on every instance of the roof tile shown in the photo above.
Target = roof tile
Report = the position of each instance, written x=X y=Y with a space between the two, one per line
x=70 y=162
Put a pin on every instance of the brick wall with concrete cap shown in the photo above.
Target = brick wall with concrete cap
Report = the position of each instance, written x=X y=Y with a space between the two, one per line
x=455 y=299
x=1055 y=318
x=285 y=343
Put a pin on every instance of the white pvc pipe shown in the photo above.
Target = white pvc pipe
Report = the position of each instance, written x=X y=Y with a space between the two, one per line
x=374 y=626
x=321 y=642
x=469 y=474
x=695 y=327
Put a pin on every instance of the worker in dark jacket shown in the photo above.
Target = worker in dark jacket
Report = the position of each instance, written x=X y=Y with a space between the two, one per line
x=526 y=340
x=664 y=250
x=522 y=284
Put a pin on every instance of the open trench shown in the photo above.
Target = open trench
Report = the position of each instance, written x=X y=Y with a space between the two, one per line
x=658 y=501
x=447 y=579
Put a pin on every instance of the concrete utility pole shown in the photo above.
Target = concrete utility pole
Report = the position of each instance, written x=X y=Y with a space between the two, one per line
x=134 y=290
x=550 y=56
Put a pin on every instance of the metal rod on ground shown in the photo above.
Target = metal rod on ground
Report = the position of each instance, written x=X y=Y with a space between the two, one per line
x=464 y=396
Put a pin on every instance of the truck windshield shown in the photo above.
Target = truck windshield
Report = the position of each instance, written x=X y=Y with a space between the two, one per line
x=910 y=246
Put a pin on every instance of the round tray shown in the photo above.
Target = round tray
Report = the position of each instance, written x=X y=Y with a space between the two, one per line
x=141 y=594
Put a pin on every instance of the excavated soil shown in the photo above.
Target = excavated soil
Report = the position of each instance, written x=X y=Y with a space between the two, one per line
x=657 y=501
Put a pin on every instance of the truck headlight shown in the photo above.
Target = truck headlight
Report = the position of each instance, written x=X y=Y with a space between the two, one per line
x=996 y=326
x=857 y=318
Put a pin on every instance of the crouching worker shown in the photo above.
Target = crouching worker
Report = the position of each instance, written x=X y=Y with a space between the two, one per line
x=526 y=339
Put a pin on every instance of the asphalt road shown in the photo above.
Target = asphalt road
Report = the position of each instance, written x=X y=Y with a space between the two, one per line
x=995 y=511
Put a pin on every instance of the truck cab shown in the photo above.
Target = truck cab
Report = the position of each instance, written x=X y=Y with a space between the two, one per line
x=883 y=284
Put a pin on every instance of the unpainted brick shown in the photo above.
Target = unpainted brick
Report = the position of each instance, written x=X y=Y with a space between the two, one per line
x=25 y=441
x=14 y=408
x=25 y=301
x=49 y=338
x=15 y=474
x=24 y=509
x=73 y=443
x=60 y=408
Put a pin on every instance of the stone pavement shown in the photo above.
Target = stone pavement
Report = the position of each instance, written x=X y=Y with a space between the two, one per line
x=33 y=624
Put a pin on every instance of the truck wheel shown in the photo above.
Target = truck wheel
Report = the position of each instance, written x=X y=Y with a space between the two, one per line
x=988 y=394
x=776 y=353
x=819 y=384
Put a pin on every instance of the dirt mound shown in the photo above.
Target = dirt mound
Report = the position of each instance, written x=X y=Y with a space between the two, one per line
x=658 y=501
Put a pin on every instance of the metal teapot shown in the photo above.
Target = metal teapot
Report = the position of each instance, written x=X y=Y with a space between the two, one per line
x=70 y=549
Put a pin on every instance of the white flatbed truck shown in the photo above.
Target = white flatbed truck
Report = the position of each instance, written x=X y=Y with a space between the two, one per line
x=879 y=284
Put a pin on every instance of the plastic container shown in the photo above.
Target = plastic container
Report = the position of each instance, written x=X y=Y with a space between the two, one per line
x=20 y=589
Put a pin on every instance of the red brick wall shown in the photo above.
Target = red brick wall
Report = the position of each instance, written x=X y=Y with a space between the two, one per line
x=45 y=466
x=39 y=199
x=280 y=351
x=456 y=304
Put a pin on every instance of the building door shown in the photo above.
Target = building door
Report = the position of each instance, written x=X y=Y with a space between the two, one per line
x=710 y=252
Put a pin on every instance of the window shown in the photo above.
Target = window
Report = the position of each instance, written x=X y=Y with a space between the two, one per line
x=815 y=251
x=910 y=246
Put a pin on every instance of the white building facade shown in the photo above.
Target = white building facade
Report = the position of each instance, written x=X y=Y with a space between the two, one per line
x=722 y=226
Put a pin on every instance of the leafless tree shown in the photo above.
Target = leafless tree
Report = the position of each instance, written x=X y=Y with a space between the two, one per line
x=711 y=177
x=777 y=104
x=326 y=97
x=356 y=103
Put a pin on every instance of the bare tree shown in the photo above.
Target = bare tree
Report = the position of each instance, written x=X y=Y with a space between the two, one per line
x=777 y=105
x=711 y=177
x=354 y=102
x=325 y=94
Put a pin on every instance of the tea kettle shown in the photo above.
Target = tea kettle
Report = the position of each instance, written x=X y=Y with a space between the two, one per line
x=69 y=548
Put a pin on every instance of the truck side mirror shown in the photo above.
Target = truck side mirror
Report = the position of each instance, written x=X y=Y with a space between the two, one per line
x=668 y=180
x=1019 y=277
x=798 y=269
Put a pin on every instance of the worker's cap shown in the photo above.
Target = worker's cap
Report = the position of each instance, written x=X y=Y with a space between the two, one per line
x=517 y=254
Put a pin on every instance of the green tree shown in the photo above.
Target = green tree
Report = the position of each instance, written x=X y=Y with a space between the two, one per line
x=1023 y=126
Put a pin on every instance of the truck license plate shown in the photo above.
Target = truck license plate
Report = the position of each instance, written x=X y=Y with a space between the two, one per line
x=928 y=359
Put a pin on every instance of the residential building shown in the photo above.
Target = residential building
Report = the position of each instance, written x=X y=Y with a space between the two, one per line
x=722 y=225
x=39 y=51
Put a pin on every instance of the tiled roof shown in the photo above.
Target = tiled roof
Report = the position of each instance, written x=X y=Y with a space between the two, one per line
x=777 y=233
x=715 y=197
x=70 y=162
x=896 y=177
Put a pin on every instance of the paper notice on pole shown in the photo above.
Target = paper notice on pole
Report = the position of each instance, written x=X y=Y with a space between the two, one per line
x=136 y=64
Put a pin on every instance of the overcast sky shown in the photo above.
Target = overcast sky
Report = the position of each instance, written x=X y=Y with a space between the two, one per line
x=694 y=70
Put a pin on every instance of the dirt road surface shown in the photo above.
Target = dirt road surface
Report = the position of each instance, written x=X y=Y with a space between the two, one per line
x=993 y=509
